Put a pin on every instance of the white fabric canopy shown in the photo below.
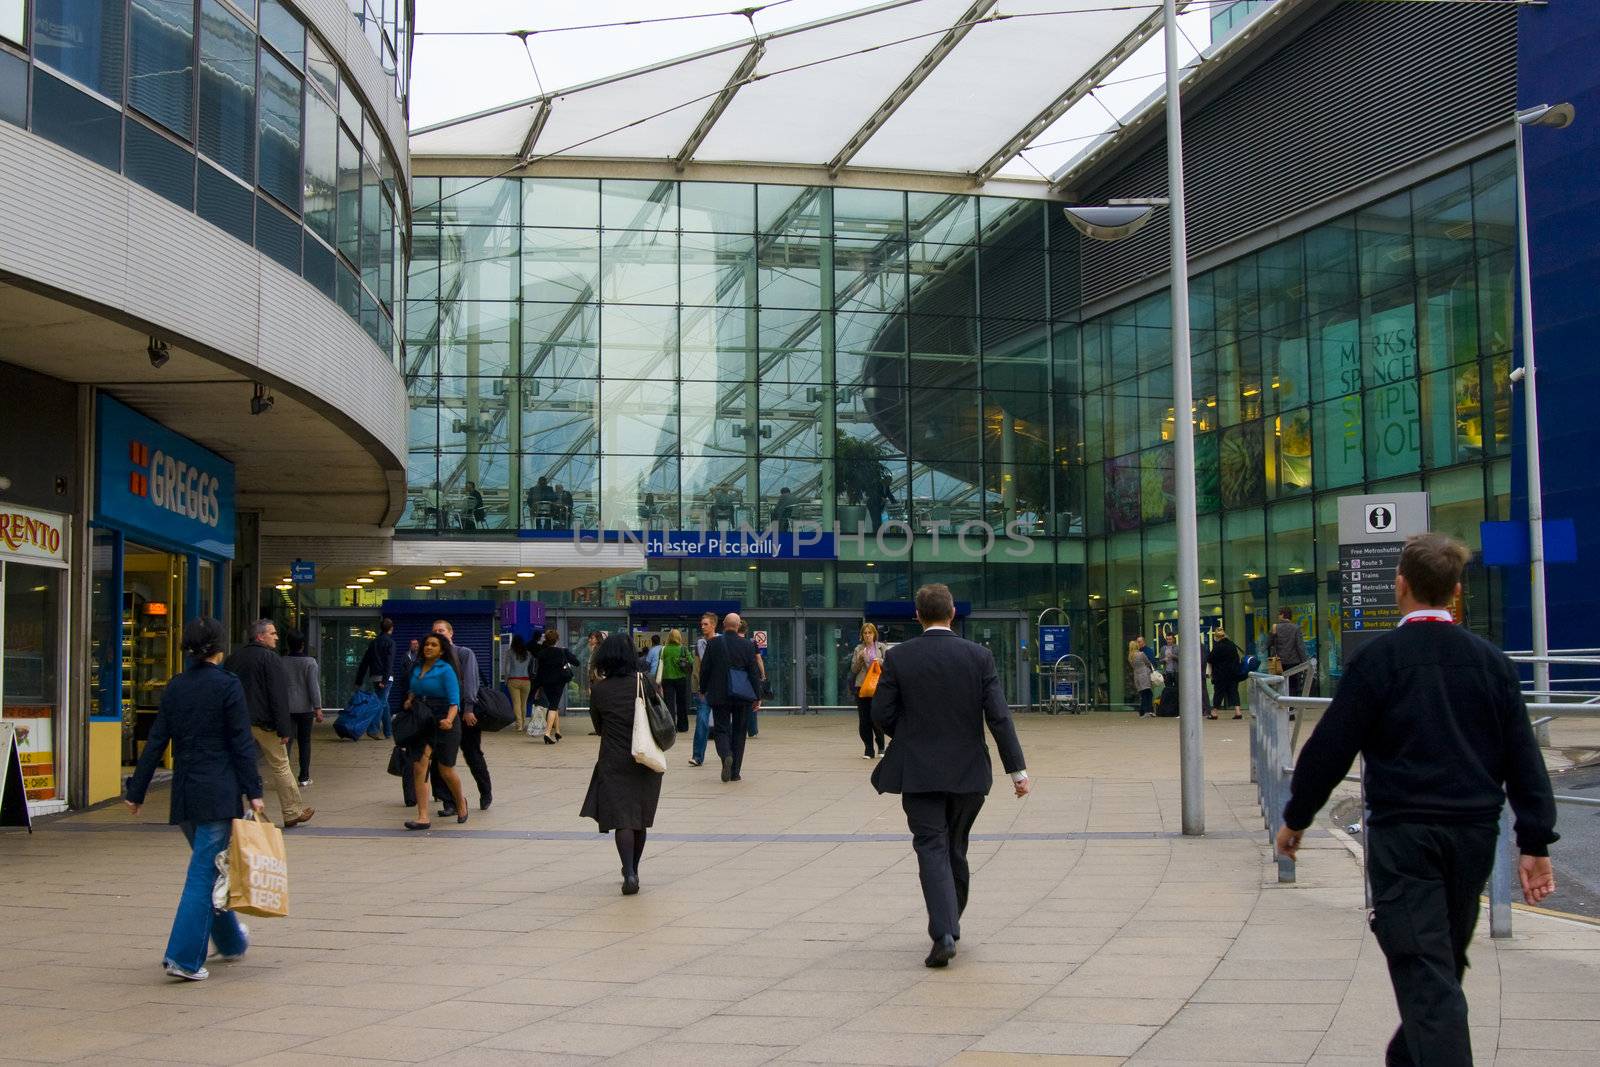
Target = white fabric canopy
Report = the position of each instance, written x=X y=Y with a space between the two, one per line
x=976 y=88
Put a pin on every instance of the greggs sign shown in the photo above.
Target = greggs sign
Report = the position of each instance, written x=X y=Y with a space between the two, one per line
x=154 y=482
x=29 y=536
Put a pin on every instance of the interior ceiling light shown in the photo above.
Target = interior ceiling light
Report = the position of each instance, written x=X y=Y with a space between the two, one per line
x=352 y=586
x=526 y=574
x=508 y=581
x=366 y=581
x=284 y=586
x=378 y=573
x=452 y=574
x=435 y=581
x=422 y=588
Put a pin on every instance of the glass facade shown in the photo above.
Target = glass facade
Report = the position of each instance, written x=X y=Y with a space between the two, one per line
x=675 y=353
x=1368 y=353
x=235 y=112
x=903 y=365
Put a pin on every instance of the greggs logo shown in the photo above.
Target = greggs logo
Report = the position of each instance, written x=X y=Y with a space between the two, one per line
x=23 y=530
x=173 y=485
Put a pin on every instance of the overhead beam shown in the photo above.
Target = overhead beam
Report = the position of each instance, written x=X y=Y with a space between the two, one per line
x=1065 y=102
x=540 y=117
x=737 y=80
x=902 y=92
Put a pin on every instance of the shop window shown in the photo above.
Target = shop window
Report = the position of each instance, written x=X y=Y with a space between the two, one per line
x=1291 y=462
x=1453 y=416
x=1394 y=429
x=1337 y=447
x=227 y=89
x=1243 y=465
x=31 y=624
x=161 y=62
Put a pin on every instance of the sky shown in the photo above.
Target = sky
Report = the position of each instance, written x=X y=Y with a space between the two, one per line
x=454 y=76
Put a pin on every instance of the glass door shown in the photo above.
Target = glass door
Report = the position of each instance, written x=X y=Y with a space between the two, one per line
x=774 y=637
x=1000 y=637
x=341 y=642
x=30 y=685
x=152 y=613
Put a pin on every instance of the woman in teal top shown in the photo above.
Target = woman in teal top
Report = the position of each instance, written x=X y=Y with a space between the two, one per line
x=434 y=682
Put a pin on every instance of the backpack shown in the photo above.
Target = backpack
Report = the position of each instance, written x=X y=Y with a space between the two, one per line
x=493 y=709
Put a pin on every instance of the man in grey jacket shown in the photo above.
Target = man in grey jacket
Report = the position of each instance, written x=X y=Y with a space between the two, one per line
x=466 y=666
x=266 y=694
x=1290 y=648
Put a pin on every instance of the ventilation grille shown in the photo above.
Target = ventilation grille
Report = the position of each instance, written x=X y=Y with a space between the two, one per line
x=1366 y=90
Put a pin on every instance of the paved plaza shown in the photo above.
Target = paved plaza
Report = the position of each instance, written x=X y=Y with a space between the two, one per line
x=780 y=921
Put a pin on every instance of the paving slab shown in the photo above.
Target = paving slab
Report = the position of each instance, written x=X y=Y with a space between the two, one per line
x=780 y=921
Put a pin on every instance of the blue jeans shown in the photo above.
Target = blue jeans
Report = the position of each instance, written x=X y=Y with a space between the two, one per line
x=702 y=727
x=385 y=723
x=196 y=923
x=754 y=728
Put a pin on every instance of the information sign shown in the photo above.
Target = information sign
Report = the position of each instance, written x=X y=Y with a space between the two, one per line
x=1372 y=531
x=302 y=572
x=1054 y=642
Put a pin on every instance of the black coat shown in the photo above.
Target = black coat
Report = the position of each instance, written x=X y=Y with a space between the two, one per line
x=726 y=654
x=622 y=792
x=377 y=662
x=1225 y=661
x=266 y=687
x=203 y=716
x=934 y=696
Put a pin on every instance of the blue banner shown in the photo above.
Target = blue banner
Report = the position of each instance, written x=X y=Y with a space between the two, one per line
x=738 y=544
x=158 y=484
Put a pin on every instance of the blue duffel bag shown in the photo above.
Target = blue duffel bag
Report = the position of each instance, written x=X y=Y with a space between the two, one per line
x=361 y=713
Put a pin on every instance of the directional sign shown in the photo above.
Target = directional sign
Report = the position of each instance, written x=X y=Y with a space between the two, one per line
x=1372 y=531
x=302 y=572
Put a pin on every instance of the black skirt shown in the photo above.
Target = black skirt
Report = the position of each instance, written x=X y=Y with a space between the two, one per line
x=622 y=794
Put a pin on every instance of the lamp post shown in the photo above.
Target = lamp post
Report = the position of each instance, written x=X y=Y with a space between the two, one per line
x=1553 y=116
x=1113 y=222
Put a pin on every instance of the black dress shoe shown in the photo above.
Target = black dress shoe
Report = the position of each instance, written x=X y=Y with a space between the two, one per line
x=447 y=813
x=484 y=801
x=727 y=768
x=630 y=885
x=944 y=950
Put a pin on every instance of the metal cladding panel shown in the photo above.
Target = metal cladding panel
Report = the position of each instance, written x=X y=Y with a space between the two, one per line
x=1361 y=94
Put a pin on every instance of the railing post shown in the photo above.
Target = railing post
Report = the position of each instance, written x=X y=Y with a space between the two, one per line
x=1502 y=878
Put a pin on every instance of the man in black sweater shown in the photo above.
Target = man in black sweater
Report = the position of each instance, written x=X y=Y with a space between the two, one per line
x=1437 y=714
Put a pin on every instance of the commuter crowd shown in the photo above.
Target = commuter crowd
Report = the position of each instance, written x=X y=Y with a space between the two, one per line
x=1435 y=712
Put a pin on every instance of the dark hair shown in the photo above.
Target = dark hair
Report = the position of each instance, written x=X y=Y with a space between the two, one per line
x=615 y=657
x=552 y=636
x=203 y=637
x=655 y=639
x=447 y=651
x=296 y=642
x=1431 y=564
x=935 y=604
x=518 y=645
x=1286 y=613
x=387 y=625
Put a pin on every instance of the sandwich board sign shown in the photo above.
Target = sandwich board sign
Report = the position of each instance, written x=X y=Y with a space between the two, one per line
x=13 y=798
x=1372 y=530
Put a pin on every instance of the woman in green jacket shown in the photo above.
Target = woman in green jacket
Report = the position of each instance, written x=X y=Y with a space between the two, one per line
x=676 y=663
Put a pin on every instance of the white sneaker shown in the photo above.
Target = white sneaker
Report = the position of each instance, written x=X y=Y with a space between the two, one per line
x=304 y=782
x=174 y=971
x=243 y=929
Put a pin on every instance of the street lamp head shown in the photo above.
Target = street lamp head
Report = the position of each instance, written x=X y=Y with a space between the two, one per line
x=1553 y=116
x=1108 y=223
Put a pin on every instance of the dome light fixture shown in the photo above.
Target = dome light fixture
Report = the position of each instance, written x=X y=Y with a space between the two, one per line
x=378 y=573
x=452 y=574
x=435 y=581
x=1116 y=219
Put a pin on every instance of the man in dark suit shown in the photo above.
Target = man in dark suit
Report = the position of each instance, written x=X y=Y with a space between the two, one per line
x=731 y=719
x=377 y=663
x=260 y=671
x=934 y=695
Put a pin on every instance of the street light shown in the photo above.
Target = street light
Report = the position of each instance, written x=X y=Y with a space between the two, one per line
x=1556 y=117
x=1116 y=220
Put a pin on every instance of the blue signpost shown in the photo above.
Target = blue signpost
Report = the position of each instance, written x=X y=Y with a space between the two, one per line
x=302 y=573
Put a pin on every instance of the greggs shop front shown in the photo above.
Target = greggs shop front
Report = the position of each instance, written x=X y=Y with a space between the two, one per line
x=162 y=537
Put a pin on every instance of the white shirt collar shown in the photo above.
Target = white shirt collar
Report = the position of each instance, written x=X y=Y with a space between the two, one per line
x=1429 y=615
x=937 y=626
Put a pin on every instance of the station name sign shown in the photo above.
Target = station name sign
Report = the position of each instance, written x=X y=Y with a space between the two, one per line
x=738 y=544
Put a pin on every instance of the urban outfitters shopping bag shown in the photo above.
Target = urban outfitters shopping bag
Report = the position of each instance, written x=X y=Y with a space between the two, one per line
x=258 y=868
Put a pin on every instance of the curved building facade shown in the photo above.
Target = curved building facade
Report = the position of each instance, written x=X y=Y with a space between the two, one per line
x=203 y=231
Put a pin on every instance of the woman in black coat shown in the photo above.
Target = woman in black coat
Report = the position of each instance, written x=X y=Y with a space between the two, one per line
x=622 y=793
x=1225 y=661
x=203 y=716
x=552 y=673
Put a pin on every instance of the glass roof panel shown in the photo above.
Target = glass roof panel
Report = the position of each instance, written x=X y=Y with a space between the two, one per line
x=997 y=79
x=800 y=113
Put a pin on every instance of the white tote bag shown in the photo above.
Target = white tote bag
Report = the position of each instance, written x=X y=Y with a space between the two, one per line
x=645 y=749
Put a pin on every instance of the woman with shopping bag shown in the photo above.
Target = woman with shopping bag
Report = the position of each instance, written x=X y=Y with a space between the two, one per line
x=204 y=718
x=866 y=663
x=623 y=793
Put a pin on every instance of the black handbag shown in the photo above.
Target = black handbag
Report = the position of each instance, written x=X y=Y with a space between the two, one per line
x=412 y=724
x=493 y=709
x=662 y=727
x=399 y=762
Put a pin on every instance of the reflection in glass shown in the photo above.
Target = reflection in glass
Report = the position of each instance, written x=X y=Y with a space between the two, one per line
x=227 y=89
x=161 y=62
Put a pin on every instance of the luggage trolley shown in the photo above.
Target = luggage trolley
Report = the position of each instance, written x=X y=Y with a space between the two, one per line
x=1066 y=680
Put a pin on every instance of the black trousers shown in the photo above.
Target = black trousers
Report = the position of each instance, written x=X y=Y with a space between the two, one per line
x=940 y=825
x=302 y=741
x=730 y=726
x=870 y=734
x=1426 y=880
x=1225 y=694
x=472 y=753
x=676 y=692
